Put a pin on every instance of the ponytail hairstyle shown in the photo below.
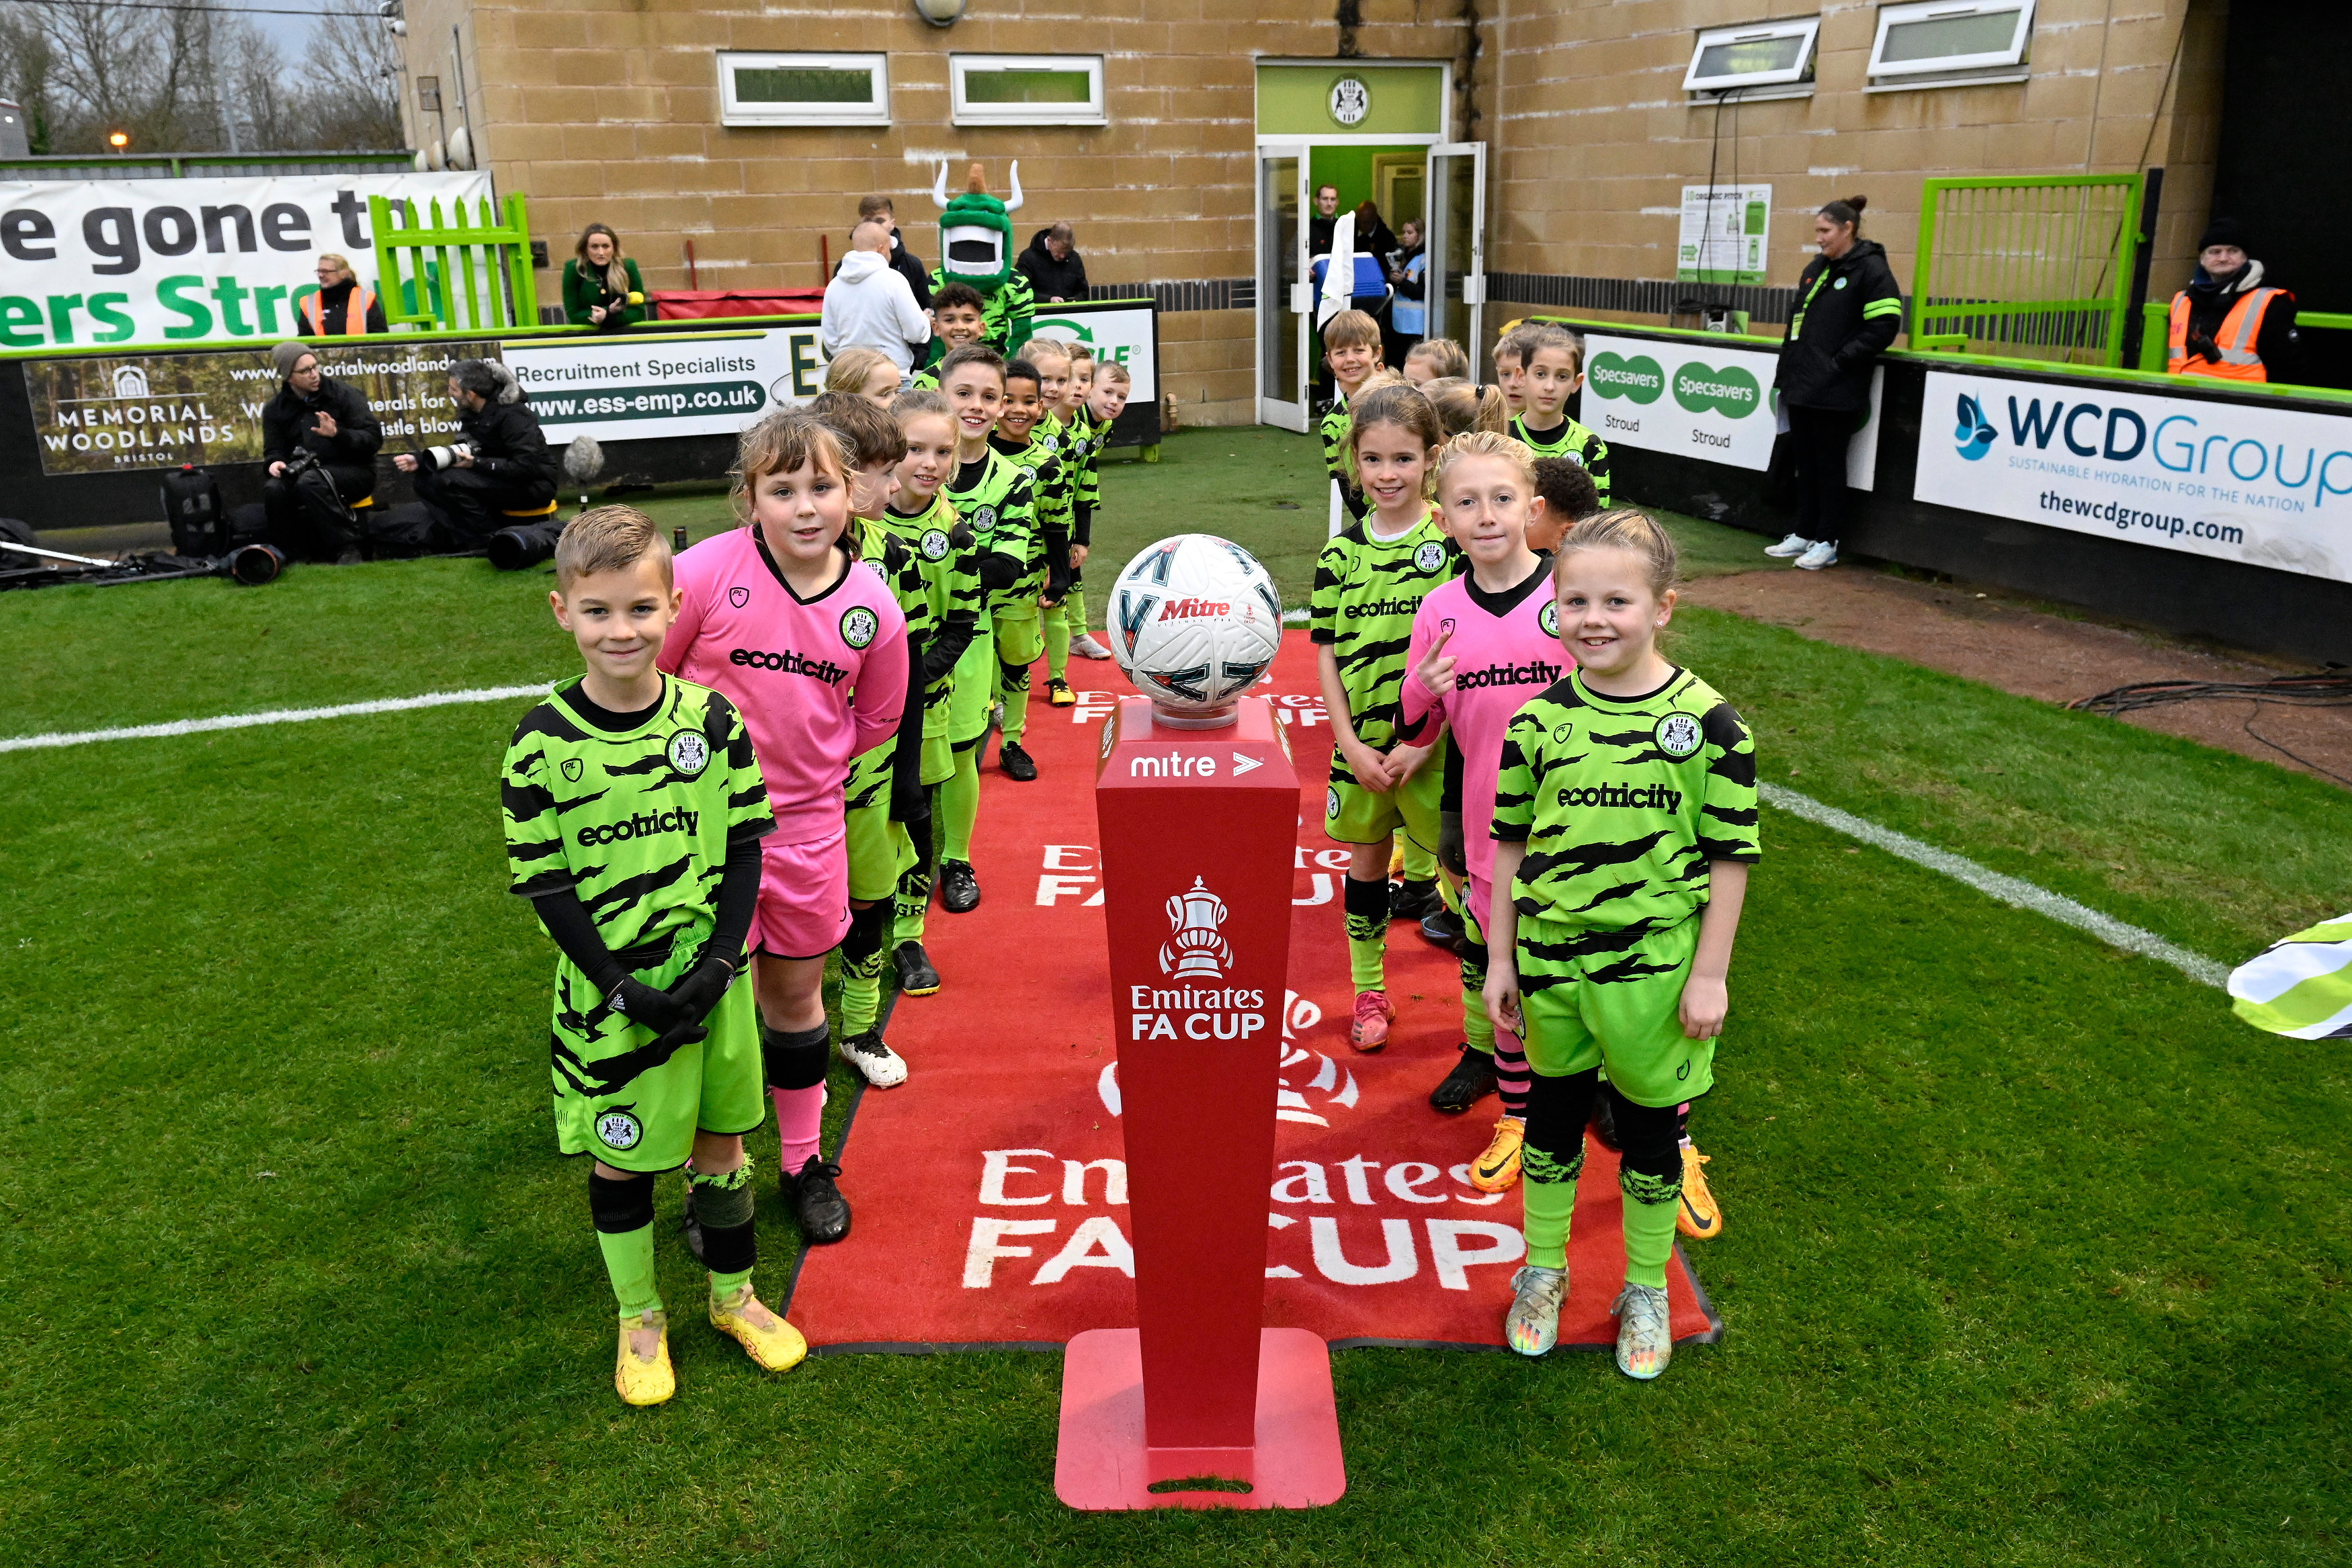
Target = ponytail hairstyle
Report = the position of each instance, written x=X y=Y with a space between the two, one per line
x=1624 y=529
x=1399 y=402
x=1848 y=211
x=1462 y=408
x=1487 y=444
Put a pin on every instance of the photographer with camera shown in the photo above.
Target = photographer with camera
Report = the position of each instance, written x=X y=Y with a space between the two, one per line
x=498 y=471
x=602 y=287
x=319 y=439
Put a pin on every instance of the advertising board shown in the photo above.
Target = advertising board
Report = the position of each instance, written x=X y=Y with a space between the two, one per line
x=194 y=260
x=2209 y=476
x=1700 y=400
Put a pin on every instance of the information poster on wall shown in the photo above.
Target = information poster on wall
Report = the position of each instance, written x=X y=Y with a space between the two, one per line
x=1726 y=233
x=2213 y=477
x=105 y=413
x=635 y=387
x=1117 y=331
x=1695 y=399
x=172 y=261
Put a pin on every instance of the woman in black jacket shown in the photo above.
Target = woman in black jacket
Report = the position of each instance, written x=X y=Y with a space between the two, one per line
x=1849 y=309
x=309 y=516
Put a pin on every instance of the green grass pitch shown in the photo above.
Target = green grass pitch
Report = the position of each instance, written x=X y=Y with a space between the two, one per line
x=2034 y=1255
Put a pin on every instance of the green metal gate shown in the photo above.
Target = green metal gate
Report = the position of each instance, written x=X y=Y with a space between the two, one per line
x=2031 y=267
x=464 y=277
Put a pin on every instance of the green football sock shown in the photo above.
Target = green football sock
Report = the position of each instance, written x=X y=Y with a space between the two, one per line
x=958 y=810
x=1013 y=686
x=1420 y=865
x=862 y=957
x=913 y=900
x=1650 y=1206
x=1057 y=641
x=1477 y=1029
x=1548 y=1190
x=629 y=1261
x=1367 y=921
x=1075 y=609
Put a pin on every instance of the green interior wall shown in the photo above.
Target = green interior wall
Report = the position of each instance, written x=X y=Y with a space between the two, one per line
x=1351 y=169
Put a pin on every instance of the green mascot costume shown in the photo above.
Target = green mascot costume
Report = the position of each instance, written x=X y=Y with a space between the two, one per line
x=976 y=249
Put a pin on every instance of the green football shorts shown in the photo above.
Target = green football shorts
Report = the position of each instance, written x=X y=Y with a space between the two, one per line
x=874 y=842
x=975 y=678
x=1020 y=637
x=1355 y=815
x=1614 y=1001
x=636 y=1110
x=937 y=759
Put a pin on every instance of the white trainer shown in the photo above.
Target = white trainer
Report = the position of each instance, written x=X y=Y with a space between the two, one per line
x=1795 y=544
x=1645 y=1342
x=1532 y=1325
x=1820 y=554
x=872 y=1056
x=1085 y=646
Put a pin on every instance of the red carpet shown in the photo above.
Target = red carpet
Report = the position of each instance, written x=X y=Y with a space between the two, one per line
x=981 y=1185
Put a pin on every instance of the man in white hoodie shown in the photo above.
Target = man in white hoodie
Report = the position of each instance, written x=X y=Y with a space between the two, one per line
x=868 y=306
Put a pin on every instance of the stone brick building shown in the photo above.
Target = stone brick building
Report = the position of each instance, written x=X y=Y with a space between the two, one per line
x=1160 y=127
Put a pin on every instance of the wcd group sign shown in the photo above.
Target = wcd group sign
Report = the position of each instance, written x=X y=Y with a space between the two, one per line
x=160 y=261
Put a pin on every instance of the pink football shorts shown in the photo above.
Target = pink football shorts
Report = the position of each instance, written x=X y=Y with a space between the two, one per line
x=803 y=908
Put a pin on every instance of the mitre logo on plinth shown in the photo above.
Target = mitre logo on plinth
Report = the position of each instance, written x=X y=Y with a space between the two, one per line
x=1196 y=950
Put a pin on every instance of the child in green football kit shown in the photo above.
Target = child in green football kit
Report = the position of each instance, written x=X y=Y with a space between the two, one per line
x=1554 y=369
x=1023 y=437
x=1351 y=349
x=636 y=796
x=996 y=499
x=1625 y=825
x=1370 y=581
x=949 y=558
x=883 y=799
x=958 y=320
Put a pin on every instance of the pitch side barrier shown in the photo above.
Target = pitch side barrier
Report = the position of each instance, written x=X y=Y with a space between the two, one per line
x=86 y=433
x=2199 y=507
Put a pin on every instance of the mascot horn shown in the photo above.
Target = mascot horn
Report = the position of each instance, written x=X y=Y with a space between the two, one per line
x=976 y=249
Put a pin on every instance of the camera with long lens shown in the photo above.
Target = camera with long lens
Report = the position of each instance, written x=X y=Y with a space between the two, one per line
x=443 y=457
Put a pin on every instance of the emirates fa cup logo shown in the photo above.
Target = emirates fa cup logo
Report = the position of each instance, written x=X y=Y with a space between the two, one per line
x=1195 y=949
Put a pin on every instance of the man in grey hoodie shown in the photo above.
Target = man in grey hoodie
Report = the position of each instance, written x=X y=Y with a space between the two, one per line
x=868 y=304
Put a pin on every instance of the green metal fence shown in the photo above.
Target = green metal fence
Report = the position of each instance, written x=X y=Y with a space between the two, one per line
x=2034 y=266
x=2156 y=331
x=462 y=275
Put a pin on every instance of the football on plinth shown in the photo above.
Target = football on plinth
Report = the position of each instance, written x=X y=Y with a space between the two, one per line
x=1194 y=621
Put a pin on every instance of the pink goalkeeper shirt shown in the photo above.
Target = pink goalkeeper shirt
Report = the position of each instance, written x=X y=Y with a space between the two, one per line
x=1503 y=655
x=818 y=679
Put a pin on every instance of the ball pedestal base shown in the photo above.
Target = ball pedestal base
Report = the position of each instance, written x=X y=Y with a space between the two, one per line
x=1103 y=1463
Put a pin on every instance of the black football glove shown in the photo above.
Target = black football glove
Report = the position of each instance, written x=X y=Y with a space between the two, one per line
x=647 y=1008
x=697 y=991
x=1450 y=851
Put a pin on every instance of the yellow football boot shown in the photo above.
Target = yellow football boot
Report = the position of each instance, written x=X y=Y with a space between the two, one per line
x=778 y=1347
x=1698 y=1217
x=644 y=1380
x=1497 y=1170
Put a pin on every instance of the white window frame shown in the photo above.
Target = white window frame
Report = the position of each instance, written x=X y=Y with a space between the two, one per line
x=964 y=112
x=1997 y=65
x=734 y=111
x=1808 y=28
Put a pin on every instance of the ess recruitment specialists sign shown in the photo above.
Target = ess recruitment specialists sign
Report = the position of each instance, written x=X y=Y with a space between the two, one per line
x=167 y=261
x=2212 y=476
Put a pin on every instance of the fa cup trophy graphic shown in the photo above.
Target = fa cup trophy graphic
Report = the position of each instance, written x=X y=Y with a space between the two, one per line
x=1197 y=950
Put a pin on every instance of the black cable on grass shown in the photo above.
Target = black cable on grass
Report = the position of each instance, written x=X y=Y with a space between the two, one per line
x=2286 y=691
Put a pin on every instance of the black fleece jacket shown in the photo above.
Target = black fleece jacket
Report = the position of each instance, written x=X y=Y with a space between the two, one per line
x=1848 y=311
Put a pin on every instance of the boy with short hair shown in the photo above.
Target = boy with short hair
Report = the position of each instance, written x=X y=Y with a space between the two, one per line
x=1022 y=435
x=997 y=499
x=1351 y=349
x=1511 y=366
x=1569 y=498
x=637 y=796
x=1554 y=369
x=883 y=799
x=947 y=557
x=958 y=319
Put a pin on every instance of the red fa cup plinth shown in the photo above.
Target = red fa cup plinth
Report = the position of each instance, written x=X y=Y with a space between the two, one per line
x=1197 y=829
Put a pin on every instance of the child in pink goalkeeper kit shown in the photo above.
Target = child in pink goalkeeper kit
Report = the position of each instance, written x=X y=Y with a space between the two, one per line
x=809 y=643
x=1482 y=644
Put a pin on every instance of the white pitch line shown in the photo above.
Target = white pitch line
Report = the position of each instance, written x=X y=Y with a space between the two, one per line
x=2008 y=889
x=273 y=715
